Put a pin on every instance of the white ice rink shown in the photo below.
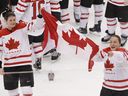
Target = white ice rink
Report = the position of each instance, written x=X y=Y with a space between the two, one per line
x=71 y=75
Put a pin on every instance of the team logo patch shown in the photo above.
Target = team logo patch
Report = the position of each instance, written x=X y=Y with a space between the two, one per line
x=12 y=44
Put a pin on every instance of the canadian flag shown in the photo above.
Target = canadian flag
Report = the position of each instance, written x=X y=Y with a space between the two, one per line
x=69 y=35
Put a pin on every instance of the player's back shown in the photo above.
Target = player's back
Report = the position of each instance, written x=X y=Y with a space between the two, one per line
x=28 y=10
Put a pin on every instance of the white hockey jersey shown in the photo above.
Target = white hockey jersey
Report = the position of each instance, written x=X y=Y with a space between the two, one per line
x=27 y=10
x=14 y=44
x=116 y=69
x=119 y=2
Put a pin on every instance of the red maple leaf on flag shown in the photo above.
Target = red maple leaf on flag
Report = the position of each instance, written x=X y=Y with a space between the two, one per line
x=108 y=65
x=12 y=44
x=74 y=39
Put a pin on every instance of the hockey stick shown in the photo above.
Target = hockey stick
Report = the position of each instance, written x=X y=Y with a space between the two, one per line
x=6 y=73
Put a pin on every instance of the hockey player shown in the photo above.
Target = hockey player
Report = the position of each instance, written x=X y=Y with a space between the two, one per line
x=64 y=11
x=15 y=48
x=98 y=7
x=27 y=10
x=116 y=68
x=117 y=9
x=77 y=12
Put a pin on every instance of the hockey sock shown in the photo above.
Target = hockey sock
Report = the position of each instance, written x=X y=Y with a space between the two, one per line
x=13 y=92
x=111 y=24
x=98 y=13
x=124 y=28
x=65 y=16
x=27 y=91
x=77 y=8
x=84 y=17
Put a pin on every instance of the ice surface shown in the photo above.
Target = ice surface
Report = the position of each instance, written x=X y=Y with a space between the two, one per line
x=71 y=75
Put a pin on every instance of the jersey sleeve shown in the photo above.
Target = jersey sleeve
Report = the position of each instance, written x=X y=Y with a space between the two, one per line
x=125 y=54
x=21 y=9
x=37 y=26
x=100 y=56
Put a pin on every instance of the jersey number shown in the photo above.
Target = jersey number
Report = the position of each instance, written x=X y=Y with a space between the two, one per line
x=35 y=6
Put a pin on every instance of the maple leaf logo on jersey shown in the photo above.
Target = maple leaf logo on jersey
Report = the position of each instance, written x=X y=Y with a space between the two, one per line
x=108 y=65
x=12 y=44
